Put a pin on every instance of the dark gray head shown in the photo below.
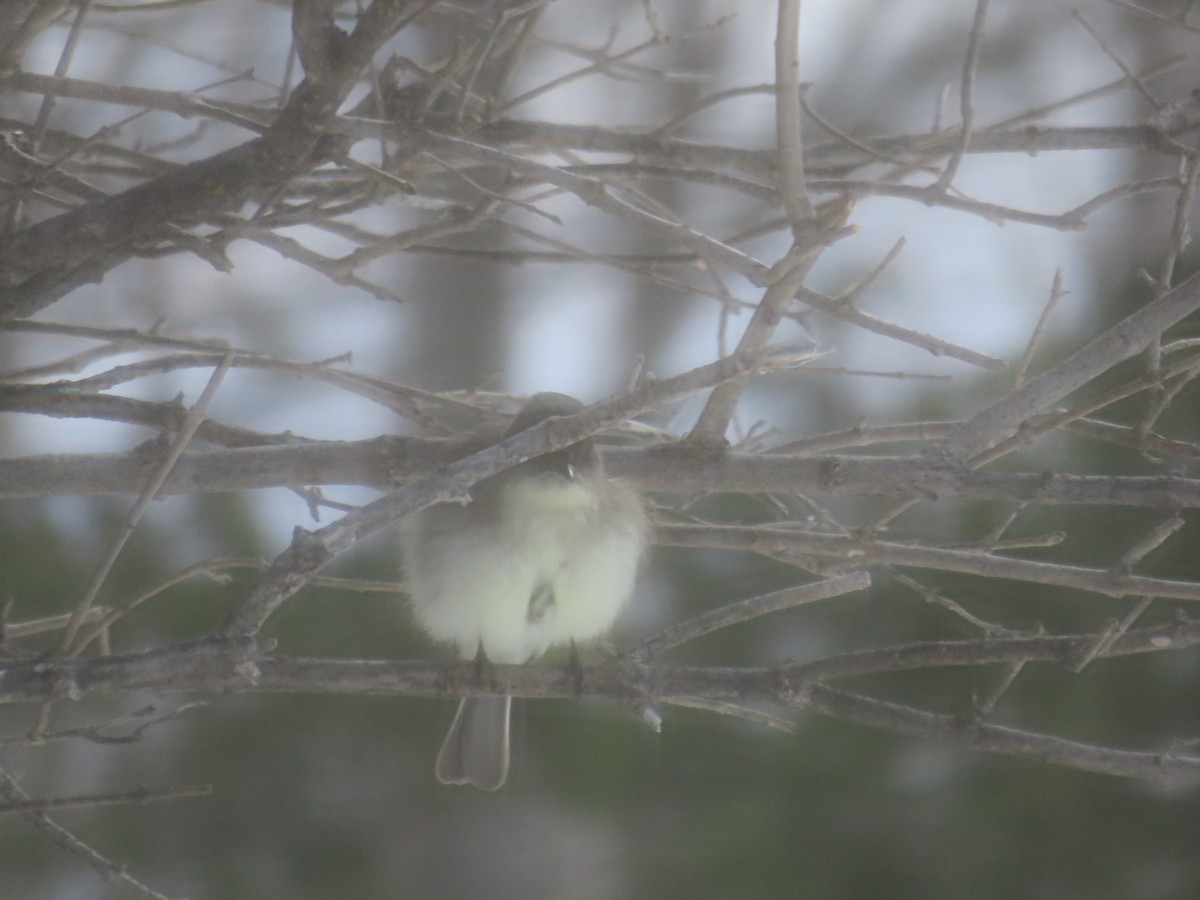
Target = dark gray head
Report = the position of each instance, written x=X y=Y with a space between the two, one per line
x=540 y=407
x=570 y=462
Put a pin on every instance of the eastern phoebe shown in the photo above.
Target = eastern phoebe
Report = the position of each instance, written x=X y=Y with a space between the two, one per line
x=545 y=553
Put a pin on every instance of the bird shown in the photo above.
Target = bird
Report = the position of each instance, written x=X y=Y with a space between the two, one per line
x=544 y=554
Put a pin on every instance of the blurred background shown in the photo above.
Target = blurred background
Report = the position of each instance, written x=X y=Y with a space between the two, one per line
x=321 y=797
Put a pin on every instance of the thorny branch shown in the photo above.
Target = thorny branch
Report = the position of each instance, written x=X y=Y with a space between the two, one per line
x=801 y=686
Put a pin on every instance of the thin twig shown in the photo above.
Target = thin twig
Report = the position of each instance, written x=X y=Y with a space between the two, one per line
x=783 y=544
x=1112 y=54
x=1110 y=635
x=172 y=454
x=137 y=797
x=745 y=611
x=966 y=98
x=734 y=711
x=110 y=872
x=1056 y=294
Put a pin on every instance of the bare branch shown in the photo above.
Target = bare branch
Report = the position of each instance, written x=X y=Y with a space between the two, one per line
x=1118 y=343
x=135 y=797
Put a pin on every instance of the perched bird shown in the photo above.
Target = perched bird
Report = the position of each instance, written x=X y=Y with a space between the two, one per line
x=544 y=554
